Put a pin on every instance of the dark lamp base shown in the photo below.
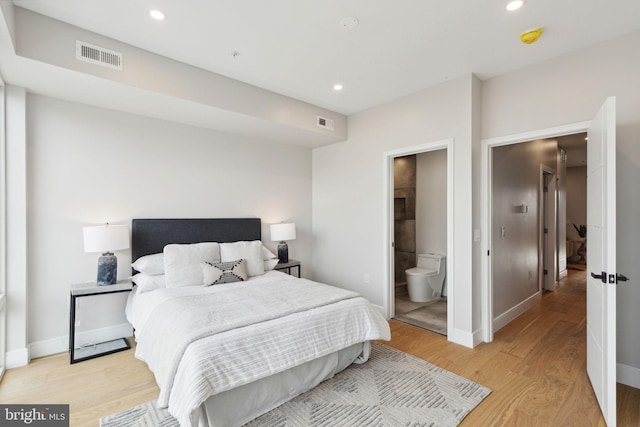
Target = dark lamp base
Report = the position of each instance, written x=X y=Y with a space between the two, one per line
x=107 y=269
x=283 y=252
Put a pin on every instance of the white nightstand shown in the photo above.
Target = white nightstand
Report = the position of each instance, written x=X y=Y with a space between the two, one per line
x=94 y=350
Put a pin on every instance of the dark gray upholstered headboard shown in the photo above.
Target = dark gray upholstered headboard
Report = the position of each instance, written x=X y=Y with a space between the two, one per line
x=150 y=236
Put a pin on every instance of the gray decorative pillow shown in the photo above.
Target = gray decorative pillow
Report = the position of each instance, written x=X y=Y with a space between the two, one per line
x=215 y=273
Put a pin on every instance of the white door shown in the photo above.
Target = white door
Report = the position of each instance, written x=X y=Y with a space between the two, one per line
x=601 y=258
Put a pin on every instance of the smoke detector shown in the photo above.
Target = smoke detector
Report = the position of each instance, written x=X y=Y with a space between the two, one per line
x=531 y=36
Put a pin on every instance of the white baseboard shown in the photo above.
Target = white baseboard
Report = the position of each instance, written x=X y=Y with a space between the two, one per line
x=477 y=337
x=515 y=311
x=628 y=375
x=17 y=358
x=61 y=344
x=460 y=337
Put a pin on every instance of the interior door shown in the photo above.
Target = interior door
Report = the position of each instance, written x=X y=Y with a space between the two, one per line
x=601 y=258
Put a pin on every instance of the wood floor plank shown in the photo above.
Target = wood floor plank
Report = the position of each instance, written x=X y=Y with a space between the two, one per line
x=520 y=341
x=547 y=350
x=496 y=410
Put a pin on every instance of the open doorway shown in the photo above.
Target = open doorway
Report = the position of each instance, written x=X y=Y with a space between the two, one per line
x=601 y=260
x=420 y=240
x=527 y=222
x=430 y=223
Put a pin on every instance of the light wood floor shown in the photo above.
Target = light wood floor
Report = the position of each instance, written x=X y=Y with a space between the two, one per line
x=535 y=367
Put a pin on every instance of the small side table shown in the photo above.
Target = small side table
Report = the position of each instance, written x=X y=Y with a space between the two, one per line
x=293 y=263
x=94 y=350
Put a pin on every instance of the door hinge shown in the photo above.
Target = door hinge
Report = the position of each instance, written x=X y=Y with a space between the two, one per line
x=546 y=231
x=546 y=271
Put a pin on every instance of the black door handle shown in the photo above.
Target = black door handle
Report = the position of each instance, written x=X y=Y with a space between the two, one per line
x=603 y=277
x=621 y=278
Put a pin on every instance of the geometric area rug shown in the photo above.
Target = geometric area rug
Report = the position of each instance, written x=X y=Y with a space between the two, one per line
x=391 y=389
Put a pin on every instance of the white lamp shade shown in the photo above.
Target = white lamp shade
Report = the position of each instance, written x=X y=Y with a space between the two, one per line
x=283 y=231
x=106 y=238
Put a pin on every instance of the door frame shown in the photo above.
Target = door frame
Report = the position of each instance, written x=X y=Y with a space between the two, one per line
x=3 y=232
x=388 y=268
x=486 y=274
x=548 y=245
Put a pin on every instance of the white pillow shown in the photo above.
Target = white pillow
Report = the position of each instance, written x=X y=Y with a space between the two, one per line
x=250 y=251
x=270 y=259
x=270 y=264
x=150 y=264
x=182 y=262
x=148 y=282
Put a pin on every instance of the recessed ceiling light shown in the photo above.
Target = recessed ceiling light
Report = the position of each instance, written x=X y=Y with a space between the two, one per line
x=337 y=87
x=514 y=5
x=156 y=14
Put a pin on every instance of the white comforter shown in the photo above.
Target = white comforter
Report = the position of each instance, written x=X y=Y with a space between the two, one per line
x=202 y=341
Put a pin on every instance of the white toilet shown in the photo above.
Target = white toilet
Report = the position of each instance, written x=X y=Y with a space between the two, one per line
x=425 y=282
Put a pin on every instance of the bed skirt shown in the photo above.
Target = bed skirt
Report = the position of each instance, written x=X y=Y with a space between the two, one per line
x=240 y=405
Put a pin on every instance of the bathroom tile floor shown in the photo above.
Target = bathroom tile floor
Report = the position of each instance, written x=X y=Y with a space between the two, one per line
x=431 y=315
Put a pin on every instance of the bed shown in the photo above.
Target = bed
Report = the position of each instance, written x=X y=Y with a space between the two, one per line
x=224 y=354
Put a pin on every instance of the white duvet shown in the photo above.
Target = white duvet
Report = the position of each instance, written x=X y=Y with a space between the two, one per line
x=200 y=341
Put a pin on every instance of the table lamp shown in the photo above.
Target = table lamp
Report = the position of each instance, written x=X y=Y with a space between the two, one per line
x=280 y=233
x=106 y=239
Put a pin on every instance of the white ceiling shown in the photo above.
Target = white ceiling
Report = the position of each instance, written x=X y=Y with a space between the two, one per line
x=300 y=49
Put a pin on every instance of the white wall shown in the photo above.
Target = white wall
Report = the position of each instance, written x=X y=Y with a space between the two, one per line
x=348 y=187
x=87 y=165
x=570 y=89
x=431 y=202
x=16 y=223
x=515 y=254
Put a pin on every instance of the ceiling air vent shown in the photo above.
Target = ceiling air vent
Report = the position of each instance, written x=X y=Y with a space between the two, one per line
x=98 y=55
x=325 y=123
